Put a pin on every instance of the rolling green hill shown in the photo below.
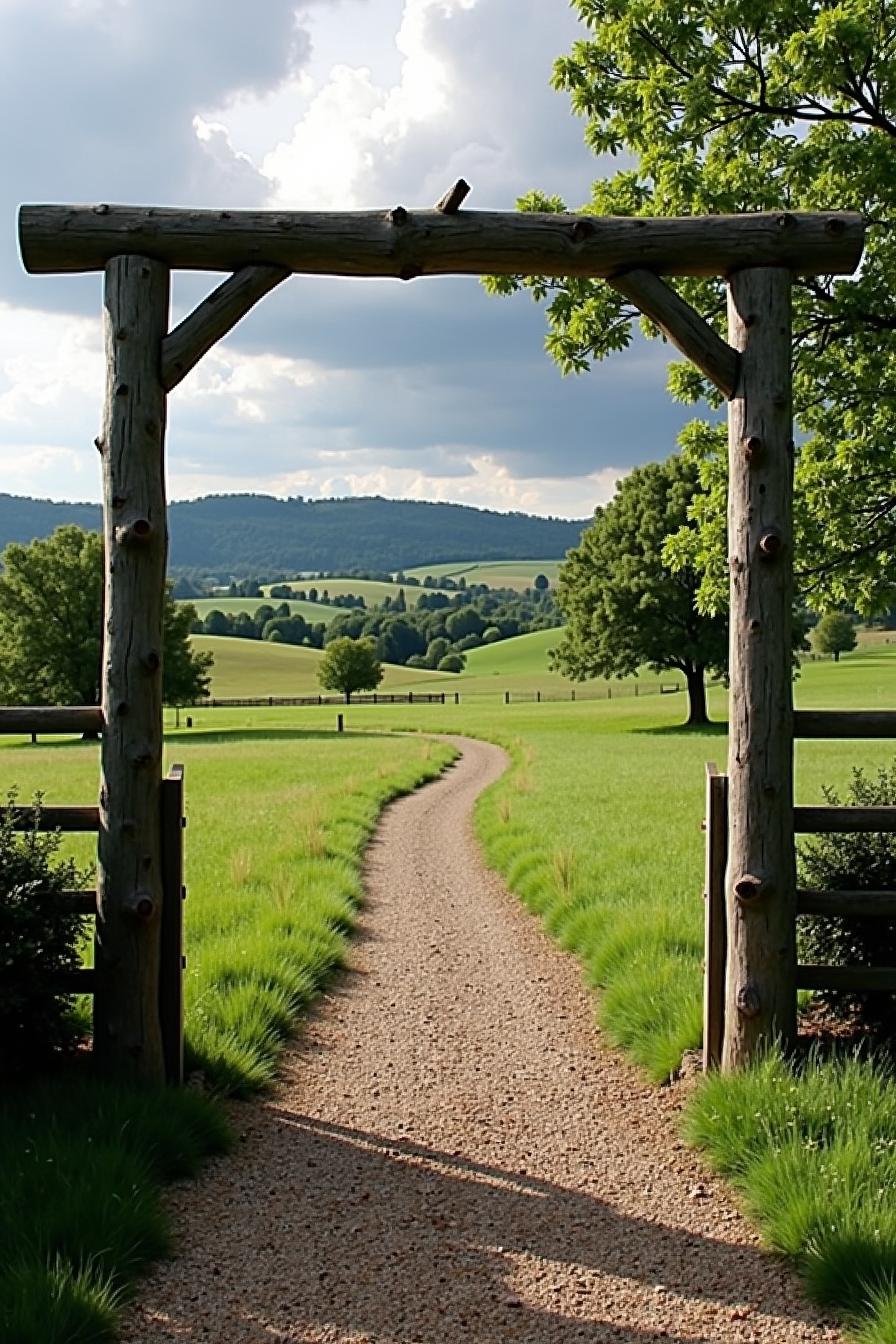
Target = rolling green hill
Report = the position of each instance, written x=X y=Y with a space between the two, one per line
x=518 y=574
x=248 y=534
x=256 y=668
x=312 y=612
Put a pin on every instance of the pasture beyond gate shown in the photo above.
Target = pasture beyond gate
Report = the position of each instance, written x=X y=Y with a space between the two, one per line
x=137 y=247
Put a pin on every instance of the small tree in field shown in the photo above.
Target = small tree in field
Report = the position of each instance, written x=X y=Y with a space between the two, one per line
x=836 y=634
x=350 y=665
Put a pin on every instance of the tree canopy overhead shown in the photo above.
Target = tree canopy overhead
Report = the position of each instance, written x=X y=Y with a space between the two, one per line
x=729 y=106
x=624 y=606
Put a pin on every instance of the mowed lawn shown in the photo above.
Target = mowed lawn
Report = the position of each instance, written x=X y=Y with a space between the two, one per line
x=518 y=574
x=313 y=612
x=373 y=591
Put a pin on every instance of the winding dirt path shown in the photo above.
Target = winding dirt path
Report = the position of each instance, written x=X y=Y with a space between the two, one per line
x=453 y=1155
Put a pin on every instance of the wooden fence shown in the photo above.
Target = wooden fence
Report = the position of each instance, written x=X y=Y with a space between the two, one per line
x=72 y=819
x=817 y=820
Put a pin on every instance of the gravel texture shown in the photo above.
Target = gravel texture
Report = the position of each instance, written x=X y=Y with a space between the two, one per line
x=453 y=1154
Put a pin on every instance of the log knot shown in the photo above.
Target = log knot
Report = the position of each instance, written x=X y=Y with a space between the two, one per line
x=770 y=545
x=140 y=905
x=136 y=533
x=748 y=1000
x=398 y=216
x=752 y=448
x=750 y=889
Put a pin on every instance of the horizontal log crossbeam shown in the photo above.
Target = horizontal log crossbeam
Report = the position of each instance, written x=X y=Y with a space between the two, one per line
x=833 y=820
x=54 y=818
x=405 y=244
x=850 y=903
x=51 y=719
x=836 y=723
x=858 y=978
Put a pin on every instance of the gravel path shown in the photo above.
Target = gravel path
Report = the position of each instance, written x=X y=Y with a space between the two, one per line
x=453 y=1155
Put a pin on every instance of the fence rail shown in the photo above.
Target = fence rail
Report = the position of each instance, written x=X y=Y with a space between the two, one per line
x=821 y=820
x=515 y=697
x=171 y=959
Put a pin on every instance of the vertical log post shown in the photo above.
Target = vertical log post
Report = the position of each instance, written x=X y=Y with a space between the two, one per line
x=171 y=934
x=714 y=917
x=127 y=1032
x=760 y=1004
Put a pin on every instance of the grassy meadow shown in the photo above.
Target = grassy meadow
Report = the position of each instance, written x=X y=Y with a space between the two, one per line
x=313 y=612
x=617 y=878
x=615 y=874
x=373 y=591
x=278 y=820
x=518 y=574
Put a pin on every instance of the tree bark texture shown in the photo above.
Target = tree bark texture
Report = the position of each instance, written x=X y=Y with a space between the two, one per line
x=406 y=244
x=761 y=874
x=697 y=714
x=127 y=1036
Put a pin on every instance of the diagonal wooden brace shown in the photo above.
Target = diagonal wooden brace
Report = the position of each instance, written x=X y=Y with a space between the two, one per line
x=185 y=345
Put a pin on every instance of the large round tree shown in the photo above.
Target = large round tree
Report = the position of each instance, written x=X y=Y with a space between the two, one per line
x=724 y=106
x=625 y=608
x=51 y=618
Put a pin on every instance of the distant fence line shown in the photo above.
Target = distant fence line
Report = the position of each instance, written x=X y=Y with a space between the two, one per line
x=439 y=697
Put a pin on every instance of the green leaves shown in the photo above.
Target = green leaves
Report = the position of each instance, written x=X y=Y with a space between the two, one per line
x=739 y=105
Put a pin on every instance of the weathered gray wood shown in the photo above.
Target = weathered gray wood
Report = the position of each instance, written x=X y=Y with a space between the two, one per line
x=406 y=244
x=171 y=971
x=51 y=719
x=714 y=917
x=54 y=818
x=760 y=1004
x=127 y=1035
x=828 y=820
x=851 y=723
x=859 y=978
x=454 y=197
x=682 y=325
x=185 y=345
x=853 y=904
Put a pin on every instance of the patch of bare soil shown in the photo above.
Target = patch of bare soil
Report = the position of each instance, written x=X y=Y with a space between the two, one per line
x=454 y=1155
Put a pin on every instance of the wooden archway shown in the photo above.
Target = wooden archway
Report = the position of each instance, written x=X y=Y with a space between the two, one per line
x=137 y=248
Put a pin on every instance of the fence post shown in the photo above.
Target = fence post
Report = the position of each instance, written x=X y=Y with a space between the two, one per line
x=457 y=697
x=171 y=950
x=507 y=697
x=340 y=724
x=410 y=697
x=538 y=697
x=760 y=1005
x=572 y=694
x=715 y=940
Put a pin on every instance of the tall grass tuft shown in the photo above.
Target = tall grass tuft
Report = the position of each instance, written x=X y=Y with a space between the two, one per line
x=813 y=1152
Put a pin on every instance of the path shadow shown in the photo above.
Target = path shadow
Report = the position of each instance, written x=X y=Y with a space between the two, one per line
x=361 y=1235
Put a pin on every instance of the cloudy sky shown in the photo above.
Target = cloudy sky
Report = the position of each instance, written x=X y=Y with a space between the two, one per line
x=428 y=390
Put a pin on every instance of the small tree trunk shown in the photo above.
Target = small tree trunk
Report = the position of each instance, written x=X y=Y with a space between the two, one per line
x=696 y=696
x=836 y=655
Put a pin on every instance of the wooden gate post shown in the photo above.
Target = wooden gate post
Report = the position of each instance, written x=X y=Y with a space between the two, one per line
x=127 y=1032
x=760 y=881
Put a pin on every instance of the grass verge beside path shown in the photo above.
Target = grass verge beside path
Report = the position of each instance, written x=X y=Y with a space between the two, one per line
x=278 y=825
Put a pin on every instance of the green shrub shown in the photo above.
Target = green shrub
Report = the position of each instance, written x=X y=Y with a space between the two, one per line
x=854 y=863
x=39 y=939
x=452 y=662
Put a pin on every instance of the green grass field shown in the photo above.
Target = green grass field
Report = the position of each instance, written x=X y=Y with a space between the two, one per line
x=278 y=822
x=312 y=612
x=518 y=574
x=597 y=828
x=373 y=591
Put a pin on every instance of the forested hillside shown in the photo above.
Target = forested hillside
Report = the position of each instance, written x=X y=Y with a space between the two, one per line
x=257 y=534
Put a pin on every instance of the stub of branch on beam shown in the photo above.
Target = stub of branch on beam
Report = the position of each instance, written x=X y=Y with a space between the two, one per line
x=454 y=197
x=63 y=238
x=683 y=326
x=185 y=345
